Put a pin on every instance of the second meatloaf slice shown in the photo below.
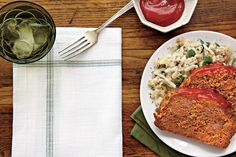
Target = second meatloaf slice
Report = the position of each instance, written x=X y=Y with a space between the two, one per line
x=217 y=77
x=197 y=114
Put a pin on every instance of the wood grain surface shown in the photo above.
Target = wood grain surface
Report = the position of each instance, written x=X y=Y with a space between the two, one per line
x=139 y=42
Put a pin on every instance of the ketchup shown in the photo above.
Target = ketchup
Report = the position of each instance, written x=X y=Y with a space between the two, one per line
x=212 y=69
x=204 y=95
x=162 y=12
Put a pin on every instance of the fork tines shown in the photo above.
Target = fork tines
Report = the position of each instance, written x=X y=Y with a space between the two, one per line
x=74 y=49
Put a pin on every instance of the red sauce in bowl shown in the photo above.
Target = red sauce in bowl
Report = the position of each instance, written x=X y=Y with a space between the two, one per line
x=162 y=12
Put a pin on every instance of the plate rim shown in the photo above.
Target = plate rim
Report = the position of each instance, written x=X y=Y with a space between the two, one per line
x=146 y=67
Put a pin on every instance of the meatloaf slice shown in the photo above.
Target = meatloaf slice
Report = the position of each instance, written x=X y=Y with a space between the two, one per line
x=215 y=76
x=198 y=114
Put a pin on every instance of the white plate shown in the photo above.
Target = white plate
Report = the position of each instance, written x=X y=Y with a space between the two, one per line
x=179 y=143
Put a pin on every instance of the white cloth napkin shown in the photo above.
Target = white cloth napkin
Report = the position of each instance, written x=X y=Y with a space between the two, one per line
x=73 y=108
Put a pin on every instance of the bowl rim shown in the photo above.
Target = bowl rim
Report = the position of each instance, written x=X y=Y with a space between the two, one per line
x=52 y=41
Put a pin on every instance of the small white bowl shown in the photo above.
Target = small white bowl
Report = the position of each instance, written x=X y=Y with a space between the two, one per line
x=190 y=6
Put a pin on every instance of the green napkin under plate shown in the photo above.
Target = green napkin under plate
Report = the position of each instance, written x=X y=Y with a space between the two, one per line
x=143 y=133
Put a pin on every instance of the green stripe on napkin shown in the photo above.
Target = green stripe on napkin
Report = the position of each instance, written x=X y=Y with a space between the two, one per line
x=143 y=133
x=83 y=63
x=50 y=105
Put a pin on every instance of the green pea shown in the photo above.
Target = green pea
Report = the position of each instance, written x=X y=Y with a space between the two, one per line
x=190 y=53
x=207 y=60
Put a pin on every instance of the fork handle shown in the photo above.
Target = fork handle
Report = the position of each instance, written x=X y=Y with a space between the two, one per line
x=118 y=14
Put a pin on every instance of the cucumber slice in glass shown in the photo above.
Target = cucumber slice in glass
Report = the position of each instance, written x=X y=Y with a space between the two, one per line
x=9 y=30
x=22 y=49
x=40 y=34
x=25 y=32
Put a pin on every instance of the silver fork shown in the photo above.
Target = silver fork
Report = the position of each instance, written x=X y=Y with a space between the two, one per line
x=89 y=38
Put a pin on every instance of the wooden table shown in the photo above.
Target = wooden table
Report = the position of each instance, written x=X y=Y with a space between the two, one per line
x=139 y=42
